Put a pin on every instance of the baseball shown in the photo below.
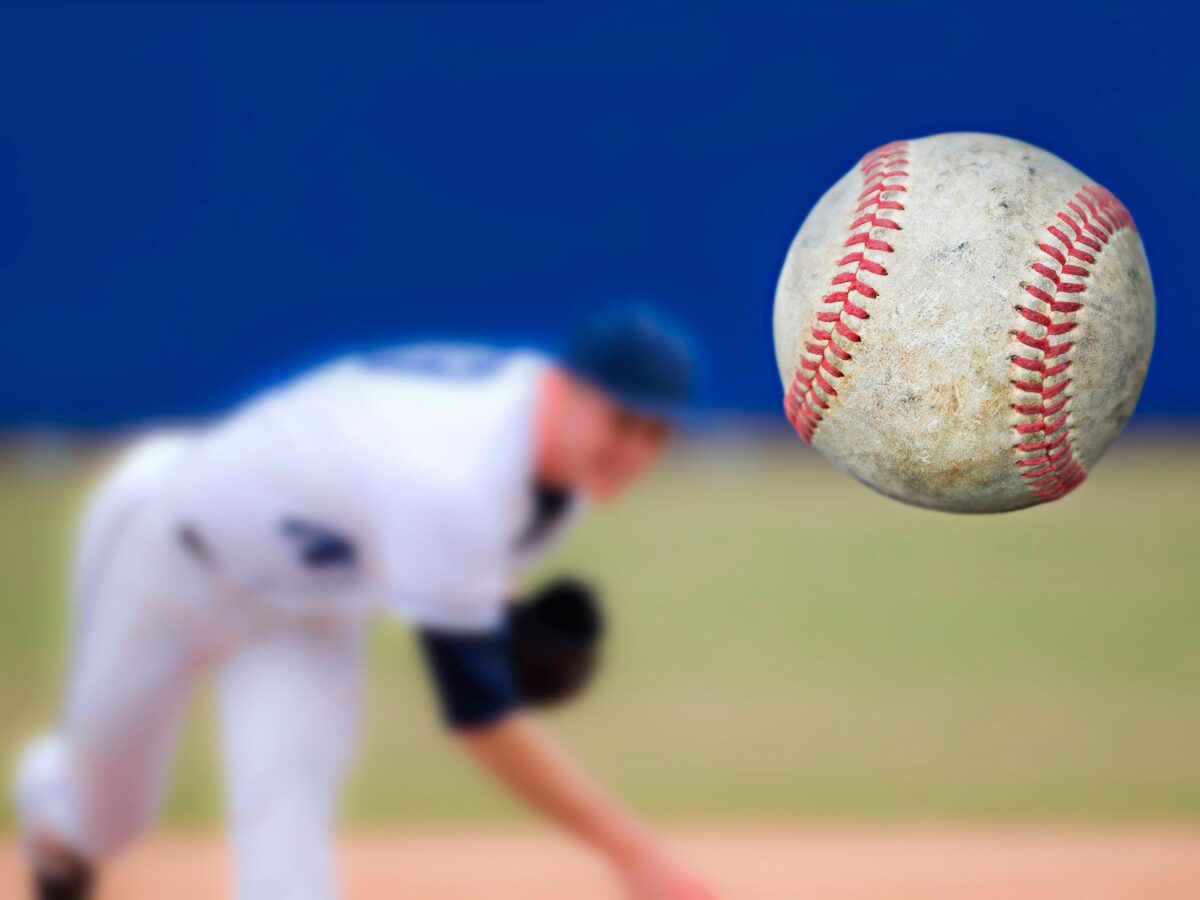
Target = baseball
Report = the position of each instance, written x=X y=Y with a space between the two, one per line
x=964 y=322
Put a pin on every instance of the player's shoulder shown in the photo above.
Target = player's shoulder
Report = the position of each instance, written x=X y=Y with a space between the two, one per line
x=453 y=428
x=403 y=385
x=467 y=405
x=439 y=360
x=456 y=373
x=422 y=371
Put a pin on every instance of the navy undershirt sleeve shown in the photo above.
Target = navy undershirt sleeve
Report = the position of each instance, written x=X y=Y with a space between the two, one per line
x=472 y=675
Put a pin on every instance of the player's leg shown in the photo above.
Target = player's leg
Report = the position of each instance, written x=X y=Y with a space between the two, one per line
x=89 y=788
x=290 y=709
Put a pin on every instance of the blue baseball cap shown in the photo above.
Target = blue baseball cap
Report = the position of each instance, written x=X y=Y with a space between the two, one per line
x=635 y=358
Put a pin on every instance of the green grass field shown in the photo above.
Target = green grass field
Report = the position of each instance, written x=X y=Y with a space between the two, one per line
x=786 y=645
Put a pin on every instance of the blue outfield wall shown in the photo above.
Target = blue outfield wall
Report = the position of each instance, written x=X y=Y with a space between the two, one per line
x=196 y=197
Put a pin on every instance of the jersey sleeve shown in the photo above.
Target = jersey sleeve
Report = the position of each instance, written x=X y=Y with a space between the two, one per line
x=472 y=674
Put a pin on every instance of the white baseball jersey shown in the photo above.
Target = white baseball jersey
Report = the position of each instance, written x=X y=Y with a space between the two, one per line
x=399 y=479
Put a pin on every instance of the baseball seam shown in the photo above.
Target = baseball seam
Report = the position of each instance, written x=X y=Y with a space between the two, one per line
x=1045 y=447
x=827 y=348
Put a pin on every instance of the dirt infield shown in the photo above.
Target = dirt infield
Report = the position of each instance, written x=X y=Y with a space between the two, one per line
x=767 y=863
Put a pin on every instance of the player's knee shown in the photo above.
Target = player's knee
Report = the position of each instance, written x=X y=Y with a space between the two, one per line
x=40 y=788
x=93 y=811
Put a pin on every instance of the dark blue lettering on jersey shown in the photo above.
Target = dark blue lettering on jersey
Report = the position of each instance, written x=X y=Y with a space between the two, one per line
x=455 y=361
x=316 y=545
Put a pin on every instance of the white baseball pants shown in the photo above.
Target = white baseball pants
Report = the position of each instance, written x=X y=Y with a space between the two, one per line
x=150 y=620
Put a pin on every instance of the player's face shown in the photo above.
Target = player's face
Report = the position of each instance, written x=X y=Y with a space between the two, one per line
x=614 y=446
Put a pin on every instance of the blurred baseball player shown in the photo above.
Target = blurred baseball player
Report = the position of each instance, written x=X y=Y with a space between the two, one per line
x=420 y=481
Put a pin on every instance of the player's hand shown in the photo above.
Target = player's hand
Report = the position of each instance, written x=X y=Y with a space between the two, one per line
x=656 y=877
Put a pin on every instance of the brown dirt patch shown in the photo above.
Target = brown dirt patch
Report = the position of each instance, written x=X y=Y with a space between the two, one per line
x=750 y=863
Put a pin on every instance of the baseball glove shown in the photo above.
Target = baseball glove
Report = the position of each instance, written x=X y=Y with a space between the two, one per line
x=555 y=636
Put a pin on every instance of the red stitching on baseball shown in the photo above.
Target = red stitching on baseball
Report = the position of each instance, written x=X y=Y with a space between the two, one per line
x=1046 y=454
x=811 y=388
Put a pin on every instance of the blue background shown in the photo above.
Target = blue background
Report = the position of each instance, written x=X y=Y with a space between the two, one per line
x=196 y=198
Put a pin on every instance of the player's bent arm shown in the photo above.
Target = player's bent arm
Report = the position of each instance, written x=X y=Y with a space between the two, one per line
x=481 y=704
x=523 y=757
x=518 y=753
